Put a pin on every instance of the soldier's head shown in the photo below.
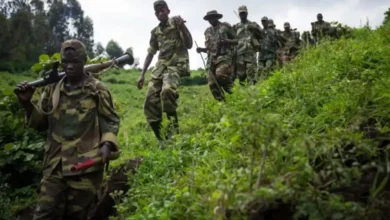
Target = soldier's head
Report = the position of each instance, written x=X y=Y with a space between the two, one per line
x=73 y=57
x=264 y=22
x=161 y=10
x=213 y=17
x=319 y=17
x=243 y=12
x=271 y=23
x=287 y=26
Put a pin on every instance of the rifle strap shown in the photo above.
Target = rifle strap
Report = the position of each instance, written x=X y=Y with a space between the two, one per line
x=55 y=98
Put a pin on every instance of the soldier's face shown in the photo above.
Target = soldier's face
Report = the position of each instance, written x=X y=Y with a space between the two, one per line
x=287 y=28
x=243 y=15
x=319 y=17
x=213 y=21
x=72 y=64
x=162 y=13
x=264 y=23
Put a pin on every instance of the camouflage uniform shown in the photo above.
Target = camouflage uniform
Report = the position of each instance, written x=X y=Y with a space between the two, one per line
x=267 y=57
x=319 y=30
x=248 y=35
x=307 y=40
x=219 y=65
x=173 y=62
x=291 y=47
x=85 y=118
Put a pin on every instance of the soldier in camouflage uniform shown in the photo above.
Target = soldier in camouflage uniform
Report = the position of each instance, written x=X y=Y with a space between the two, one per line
x=281 y=41
x=307 y=40
x=248 y=34
x=172 y=38
x=81 y=123
x=292 y=44
x=267 y=57
x=320 y=29
x=220 y=39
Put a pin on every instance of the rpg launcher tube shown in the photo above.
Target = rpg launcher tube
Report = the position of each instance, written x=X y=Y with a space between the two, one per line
x=85 y=165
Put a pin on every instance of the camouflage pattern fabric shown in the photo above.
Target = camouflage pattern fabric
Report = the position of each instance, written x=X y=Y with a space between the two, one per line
x=84 y=119
x=77 y=45
x=307 y=40
x=173 y=62
x=219 y=64
x=68 y=197
x=292 y=44
x=265 y=67
x=220 y=81
x=248 y=35
x=320 y=30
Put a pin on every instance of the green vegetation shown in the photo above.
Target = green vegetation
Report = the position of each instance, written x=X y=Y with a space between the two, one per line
x=310 y=142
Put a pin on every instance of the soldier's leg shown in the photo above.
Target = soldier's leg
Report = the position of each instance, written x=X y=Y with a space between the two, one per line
x=215 y=88
x=82 y=195
x=269 y=66
x=52 y=197
x=169 y=96
x=251 y=69
x=153 y=108
x=241 y=72
x=260 y=71
x=224 y=73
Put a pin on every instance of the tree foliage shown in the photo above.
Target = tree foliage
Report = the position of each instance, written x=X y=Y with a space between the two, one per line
x=113 y=49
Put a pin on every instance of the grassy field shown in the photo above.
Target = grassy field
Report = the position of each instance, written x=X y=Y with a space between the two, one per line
x=310 y=142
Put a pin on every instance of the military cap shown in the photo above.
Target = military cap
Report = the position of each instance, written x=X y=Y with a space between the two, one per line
x=319 y=15
x=77 y=45
x=242 y=9
x=286 y=24
x=212 y=13
x=264 y=18
x=160 y=3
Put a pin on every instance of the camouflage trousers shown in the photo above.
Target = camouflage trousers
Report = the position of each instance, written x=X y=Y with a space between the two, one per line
x=162 y=93
x=220 y=80
x=246 y=68
x=265 y=67
x=68 y=197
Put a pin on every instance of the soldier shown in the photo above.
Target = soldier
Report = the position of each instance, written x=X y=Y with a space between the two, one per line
x=267 y=56
x=248 y=34
x=320 y=28
x=292 y=44
x=220 y=39
x=172 y=38
x=307 y=40
x=81 y=123
x=280 y=41
x=264 y=22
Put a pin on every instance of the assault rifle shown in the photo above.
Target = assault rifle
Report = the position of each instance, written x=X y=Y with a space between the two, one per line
x=53 y=76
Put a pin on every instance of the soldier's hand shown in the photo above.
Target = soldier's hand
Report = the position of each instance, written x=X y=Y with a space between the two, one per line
x=105 y=152
x=140 y=82
x=24 y=92
x=199 y=50
x=178 y=20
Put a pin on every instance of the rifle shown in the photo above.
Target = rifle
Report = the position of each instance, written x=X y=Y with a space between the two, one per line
x=92 y=162
x=53 y=76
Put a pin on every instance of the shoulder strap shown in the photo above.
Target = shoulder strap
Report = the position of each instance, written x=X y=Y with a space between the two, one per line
x=55 y=98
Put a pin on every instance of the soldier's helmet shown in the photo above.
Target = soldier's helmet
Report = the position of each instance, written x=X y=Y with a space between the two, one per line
x=264 y=18
x=286 y=25
x=242 y=9
x=161 y=3
x=76 y=45
x=271 y=23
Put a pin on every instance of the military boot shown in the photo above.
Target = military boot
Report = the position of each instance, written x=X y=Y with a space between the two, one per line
x=173 y=125
x=156 y=127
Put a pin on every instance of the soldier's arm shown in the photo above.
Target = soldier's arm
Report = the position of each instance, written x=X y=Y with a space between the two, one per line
x=231 y=36
x=186 y=35
x=152 y=50
x=34 y=117
x=108 y=119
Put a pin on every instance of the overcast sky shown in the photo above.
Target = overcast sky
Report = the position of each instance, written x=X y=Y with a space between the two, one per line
x=129 y=22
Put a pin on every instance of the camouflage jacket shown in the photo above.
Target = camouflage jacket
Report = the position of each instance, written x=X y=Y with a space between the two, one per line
x=248 y=35
x=292 y=40
x=84 y=118
x=173 y=54
x=320 y=30
x=270 y=43
x=213 y=36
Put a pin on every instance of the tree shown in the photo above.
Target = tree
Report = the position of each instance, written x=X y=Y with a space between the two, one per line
x=387 y=17
x=99 y=49
x=113 y=49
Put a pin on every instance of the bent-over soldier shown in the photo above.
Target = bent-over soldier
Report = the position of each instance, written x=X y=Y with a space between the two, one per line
x=220 y=39
x=172 y=39
x=79 y=116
